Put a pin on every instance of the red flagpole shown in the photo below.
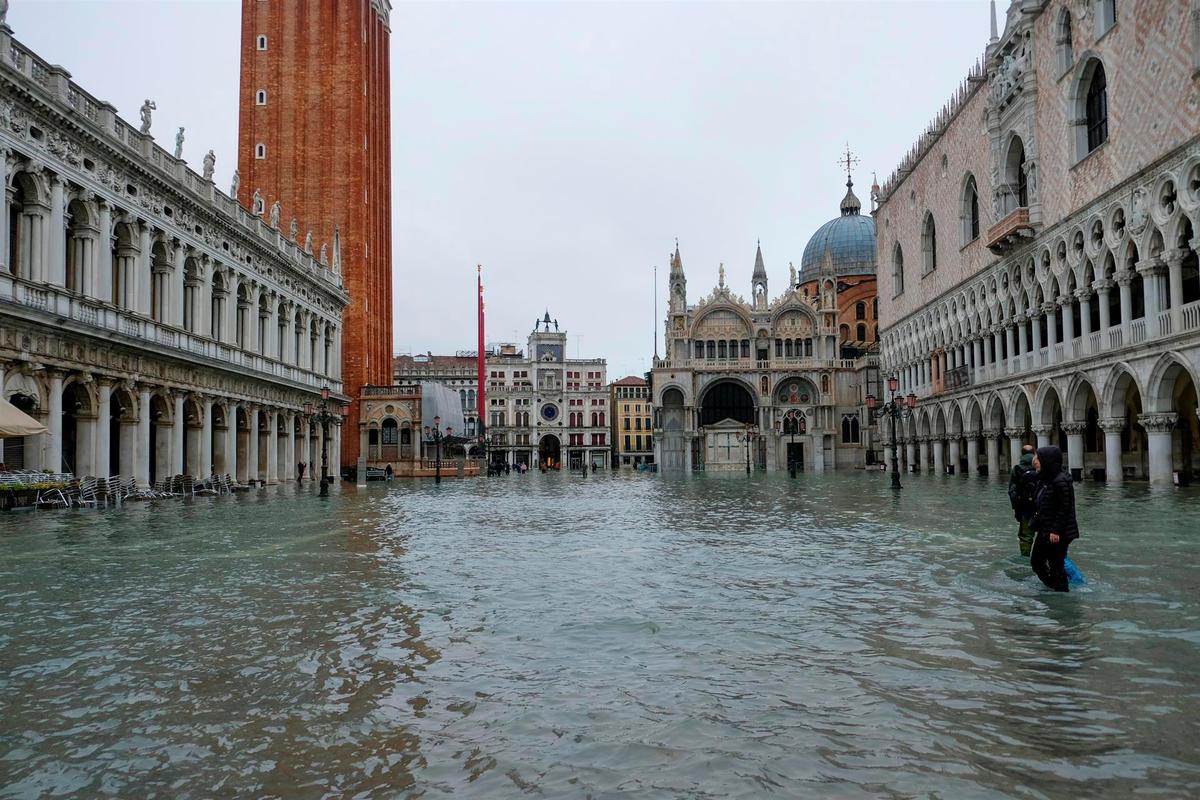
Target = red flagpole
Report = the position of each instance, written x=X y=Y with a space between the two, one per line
x=480 y=392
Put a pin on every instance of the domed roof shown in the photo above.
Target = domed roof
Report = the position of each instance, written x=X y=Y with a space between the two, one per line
x=849 y=240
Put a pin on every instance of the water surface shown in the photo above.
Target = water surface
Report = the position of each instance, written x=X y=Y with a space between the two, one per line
x=714 y=636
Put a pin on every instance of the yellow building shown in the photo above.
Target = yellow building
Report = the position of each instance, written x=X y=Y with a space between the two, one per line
x=633 y=443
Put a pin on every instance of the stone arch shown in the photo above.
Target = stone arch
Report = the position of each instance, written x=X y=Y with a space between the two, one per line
x=1160 y=386
x=1120 y=380
x=730 y=398
x=956 y=420
x=1075 y=400
x=974 y=415
x=924 y=426
x=1046 y=401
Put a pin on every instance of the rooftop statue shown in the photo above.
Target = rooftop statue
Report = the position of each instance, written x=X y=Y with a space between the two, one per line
x=147 y=108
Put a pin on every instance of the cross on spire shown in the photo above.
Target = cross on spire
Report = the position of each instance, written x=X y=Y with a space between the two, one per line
x=848 y=161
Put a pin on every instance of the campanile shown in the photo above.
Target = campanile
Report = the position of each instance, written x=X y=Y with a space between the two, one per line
x=314 y=134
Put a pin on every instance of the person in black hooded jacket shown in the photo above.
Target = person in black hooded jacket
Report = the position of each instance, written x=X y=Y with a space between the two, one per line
x=1054 y=521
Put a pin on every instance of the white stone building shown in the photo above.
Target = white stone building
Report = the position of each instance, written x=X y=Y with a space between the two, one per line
x=1038 y=248
x=545 y=409
x=151 y=323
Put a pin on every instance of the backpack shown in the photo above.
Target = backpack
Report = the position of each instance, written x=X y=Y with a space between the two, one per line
x=1023 y=496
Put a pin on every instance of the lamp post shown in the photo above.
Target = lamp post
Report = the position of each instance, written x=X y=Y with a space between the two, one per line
x=434 y=435
x=747 y=436
x=896 y=408
x=793 y=423
x=323 y=415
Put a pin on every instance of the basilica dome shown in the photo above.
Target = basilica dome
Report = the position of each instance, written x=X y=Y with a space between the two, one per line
x=849 y=239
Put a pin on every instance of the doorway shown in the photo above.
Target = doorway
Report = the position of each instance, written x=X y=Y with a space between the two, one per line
x=795 y=456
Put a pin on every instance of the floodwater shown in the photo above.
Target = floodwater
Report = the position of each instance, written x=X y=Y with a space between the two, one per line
x=551 y=636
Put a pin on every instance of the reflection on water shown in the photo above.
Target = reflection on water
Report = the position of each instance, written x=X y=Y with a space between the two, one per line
x=705 y=637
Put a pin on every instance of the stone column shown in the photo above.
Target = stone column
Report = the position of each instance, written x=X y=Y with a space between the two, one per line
x=910 y=455
x=207 y=467
x=104 y=254
x=231 y=464
x=173 y=301
x=1042 y=432
x=1102 y=289
x=1014 y=443
x=141 y=458
x=140 y=278
x=229 y=334
x=939 y=460
x=1035 y=322
x=1023 y=330
x=252 y=444
x=976 y=358
x=1158 y=433
x=102 y=457
x=1009 y=343
x=1085 y=316
x=1066 y=303
x=52 y=462
x=1074 y=431
x=972 y=454
x=56 y=267
x=178 y=431
x=1051 y=312
x=955 y=452
x=1124 y=280
x=271 y=347
x=5 y=233
x=273 y=446
x=991 y=442
x=289 y=459
x=1174 y=259
x=1112 y=427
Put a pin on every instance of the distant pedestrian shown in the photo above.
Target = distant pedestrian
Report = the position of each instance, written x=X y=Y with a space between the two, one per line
x=1022 y=496
x=1054 y=522
x=300 y=471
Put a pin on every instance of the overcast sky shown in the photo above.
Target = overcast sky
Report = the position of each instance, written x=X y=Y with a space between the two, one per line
x=565 y=145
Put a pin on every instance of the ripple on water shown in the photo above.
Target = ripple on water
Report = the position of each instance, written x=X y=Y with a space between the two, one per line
x=643 y=635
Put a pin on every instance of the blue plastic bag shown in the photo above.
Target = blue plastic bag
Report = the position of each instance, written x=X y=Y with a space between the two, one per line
x=1073 y=573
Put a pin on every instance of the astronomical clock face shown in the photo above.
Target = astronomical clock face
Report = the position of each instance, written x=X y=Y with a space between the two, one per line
x=794 y=393
x=549 y=412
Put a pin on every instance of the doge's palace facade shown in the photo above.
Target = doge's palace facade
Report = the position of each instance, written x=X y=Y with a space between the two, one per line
x=1037 y=248
x=150 y=322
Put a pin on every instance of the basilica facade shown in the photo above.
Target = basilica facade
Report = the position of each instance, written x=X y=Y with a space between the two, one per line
x=1039 y=278
x=153 y=325
x=773 y=383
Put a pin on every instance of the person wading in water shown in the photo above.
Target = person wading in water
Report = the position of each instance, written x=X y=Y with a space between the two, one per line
x=1054 y=522
x=1022 y=494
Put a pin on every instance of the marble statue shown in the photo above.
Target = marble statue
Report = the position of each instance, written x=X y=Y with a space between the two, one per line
x=234 y=184
x=791 y=275
x=308 y=243
x=3 y=11
x=275 y=210
x=179 y=143
x=721 y=276
x=324 y=254
x=295 y=229
x=147 y=108
x=256 y=205
x=210 y=164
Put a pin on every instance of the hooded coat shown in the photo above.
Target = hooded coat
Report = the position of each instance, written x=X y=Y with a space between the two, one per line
x=1055 y=497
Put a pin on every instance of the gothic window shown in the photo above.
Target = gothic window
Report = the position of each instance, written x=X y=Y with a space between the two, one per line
x=699 y=349
x=970 y=210
x=787 y=348
x=1106 y=16
x=860 y=310
x=845 y=430
x=1066 y=55
x=711 y=349
x=844 y=333
x=260 y=97
x=862 y=332
x=1014 y=176
x=745 y=348
x=260 y=151
x=721 y=351
x=897 y=271
x=1097 y=108
x=779 y=348
x=929 y=244
x=262 y=42
x=824 y=384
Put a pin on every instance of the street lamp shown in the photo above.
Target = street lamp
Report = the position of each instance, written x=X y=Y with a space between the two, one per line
x=896 y=408
x=747 y=436
x=434 y=435
x=323 y=415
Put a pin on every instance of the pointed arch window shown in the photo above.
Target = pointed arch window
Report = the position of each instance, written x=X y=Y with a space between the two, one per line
x=929 y=244
x=897 y=271
x=1097 y=108
x=970 y=210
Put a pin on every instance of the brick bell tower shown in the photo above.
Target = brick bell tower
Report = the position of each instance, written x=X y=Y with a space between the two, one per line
x=314 y=133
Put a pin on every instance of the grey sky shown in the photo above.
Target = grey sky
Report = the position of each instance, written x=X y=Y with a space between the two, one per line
x=565 y=145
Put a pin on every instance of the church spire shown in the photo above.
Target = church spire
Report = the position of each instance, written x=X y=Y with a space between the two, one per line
x=759 y=281
x=760 y=269
x=676 y=261
x=850 y=203
x=995 y=33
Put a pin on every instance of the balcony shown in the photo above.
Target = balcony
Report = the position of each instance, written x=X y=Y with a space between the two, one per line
x=56 y=306
x=1010 y=232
